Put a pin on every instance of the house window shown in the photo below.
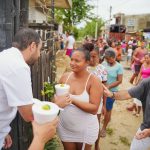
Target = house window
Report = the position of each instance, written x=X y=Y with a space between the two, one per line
x=131 y=22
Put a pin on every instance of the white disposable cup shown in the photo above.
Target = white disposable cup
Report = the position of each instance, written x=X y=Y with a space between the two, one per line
x=42 y=116
x=62 y=90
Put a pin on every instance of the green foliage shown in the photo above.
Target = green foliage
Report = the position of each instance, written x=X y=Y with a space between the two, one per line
x=124 y=140
x=75 y=32
x=110 y=131
x=48 y=90
x=114 y=143
x=70 y=17
x=52 y=144
x=89 y=29
x=80 y=11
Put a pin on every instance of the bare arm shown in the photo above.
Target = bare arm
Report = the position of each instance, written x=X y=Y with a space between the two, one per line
x=7 y=142
x=139 y=77
x=116 y=83
x=135 y=55
x=143 y=134
x=104 y=102
x=66 y=45
x=121 y=95
x=42 y=133
x=104 y=97
x=36 y=144
x=26 y=112
x=74 y=46
x=95 y=93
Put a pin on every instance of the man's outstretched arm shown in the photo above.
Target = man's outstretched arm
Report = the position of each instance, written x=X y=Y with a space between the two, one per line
x=121 y=95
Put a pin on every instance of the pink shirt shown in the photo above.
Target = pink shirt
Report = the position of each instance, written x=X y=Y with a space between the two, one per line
x=145 y=72
x=124 y=45
x=140 y=55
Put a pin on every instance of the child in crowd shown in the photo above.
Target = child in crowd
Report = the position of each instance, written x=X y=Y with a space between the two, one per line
x=123 y=46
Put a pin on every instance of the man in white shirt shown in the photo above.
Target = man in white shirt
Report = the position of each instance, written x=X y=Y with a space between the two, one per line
x=15 y=79
x=130 y=41
x=70 y=44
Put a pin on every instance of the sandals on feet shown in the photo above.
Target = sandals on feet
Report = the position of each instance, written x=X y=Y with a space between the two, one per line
x=103 y=133
x=137 y=115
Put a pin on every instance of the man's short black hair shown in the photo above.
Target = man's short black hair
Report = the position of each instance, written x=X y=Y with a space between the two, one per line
x=24 y=38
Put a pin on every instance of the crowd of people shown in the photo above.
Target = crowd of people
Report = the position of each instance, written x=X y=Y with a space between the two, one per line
x=105 y=57
x=96 y=73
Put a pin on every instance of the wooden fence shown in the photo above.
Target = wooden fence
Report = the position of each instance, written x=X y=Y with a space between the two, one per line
x=44 y=70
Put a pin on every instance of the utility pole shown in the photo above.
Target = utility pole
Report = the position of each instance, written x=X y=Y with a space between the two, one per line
x=110 y=11
x=96 y=24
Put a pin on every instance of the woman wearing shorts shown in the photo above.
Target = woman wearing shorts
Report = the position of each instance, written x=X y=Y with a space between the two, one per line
x=114 y=78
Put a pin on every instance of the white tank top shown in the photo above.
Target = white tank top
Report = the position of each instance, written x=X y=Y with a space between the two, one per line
x=84 y=96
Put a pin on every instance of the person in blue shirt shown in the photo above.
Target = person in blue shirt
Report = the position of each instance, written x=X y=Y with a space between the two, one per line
x=114 y=78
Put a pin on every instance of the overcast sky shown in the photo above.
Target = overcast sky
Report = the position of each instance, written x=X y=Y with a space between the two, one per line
x=128 y=7
x=124 y=6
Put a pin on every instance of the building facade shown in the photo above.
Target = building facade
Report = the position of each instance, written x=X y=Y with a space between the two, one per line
x=136 y=23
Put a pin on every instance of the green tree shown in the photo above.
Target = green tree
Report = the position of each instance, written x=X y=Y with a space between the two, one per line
x=89 y=29
x=80 y=11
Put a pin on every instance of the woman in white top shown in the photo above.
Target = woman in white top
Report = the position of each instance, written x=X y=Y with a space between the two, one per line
x=100 y=71
x=78 y=127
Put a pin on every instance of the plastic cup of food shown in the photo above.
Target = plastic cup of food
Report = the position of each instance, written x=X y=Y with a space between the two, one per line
x=62 y=89
x=44 y=112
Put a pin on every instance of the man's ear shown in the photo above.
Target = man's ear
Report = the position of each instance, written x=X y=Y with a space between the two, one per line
x=32 y=46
